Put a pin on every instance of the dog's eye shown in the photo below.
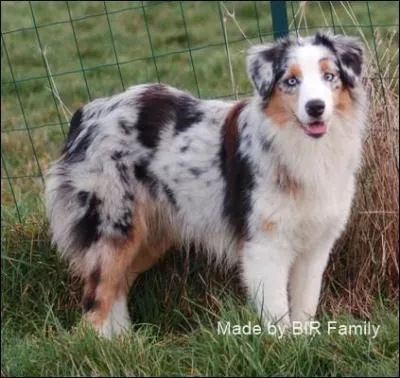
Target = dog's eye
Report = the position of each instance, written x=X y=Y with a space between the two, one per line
x=291 y=82
x=328 y=76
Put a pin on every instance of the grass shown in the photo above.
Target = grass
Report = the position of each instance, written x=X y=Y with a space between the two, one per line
x=176 y=306
x=175 y=313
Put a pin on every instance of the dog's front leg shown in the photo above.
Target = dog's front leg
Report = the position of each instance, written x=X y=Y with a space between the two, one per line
x=305 y=281
x=266 y=266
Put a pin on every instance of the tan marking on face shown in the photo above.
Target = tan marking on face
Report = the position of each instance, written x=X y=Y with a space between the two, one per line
x=294 y=70
x=269 y=226
x=341 y=96
x=326 y=65
x=343 y=101
x=281 y=107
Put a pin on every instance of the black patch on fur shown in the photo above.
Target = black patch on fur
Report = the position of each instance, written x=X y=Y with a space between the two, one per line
x=75 y=129
x=121 y=166
x=155 y=106
x=149 y=180
x=141 y=170
x=159 y=107
x=239 y=180
x=123 y=172
x=353 y=61
x=324 y=40
x=89 y=304
x=266 y=144
x=128 y=197
x=184 y=148
x=247 y=141
x=196 y=171
x=277 y=56
x=216 y=161
x=82 y=197
x=125 y=127
x=124 y=225
x=78 y=152
x=346 y=79
x=116 y=155
x=170 y=194
x=114 y=106
x=86 y=230
x=187 y=113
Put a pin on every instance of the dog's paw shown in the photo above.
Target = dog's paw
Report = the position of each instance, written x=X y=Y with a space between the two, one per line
x=116 y=323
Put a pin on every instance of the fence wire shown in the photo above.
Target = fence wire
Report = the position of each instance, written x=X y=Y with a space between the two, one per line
x=197 y=46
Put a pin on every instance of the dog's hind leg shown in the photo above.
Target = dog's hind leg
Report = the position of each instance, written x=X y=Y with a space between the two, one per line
x=105 y=290
x=108 y=282
x=119 y=263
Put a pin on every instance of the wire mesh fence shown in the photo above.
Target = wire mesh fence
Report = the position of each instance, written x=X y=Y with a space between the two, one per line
x=58 y=55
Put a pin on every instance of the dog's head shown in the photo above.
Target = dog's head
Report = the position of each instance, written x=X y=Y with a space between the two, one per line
x=305 y=82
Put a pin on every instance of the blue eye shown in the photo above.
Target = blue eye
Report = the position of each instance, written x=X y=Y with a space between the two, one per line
x=328 y=76
x=291 y=82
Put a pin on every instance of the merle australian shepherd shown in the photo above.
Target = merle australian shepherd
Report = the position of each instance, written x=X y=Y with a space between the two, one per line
x=265 y=182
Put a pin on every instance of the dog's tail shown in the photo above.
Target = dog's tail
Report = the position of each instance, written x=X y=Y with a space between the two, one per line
x=87 y=198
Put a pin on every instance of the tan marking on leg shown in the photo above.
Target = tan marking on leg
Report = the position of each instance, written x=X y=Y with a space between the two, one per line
x=114 y=263
x=89 y=292
x=149 y=255
x=115 y=256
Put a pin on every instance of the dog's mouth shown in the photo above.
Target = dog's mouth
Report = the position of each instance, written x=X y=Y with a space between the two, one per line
x=315 y=129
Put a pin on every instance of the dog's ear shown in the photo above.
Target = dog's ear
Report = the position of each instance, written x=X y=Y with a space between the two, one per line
x=351 y=55
x=349 y=52
x=263 y=62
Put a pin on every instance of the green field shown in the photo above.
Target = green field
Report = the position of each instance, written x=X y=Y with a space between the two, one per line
x=57 y=56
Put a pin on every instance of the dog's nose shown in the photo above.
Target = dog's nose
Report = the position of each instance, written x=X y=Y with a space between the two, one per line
x=315 y=108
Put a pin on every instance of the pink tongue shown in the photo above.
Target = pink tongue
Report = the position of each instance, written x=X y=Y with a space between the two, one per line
x=315 y=128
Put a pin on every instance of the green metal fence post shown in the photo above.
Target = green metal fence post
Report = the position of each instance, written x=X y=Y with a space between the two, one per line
x=279 y=18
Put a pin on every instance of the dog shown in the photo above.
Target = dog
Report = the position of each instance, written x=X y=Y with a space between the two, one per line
x=266 y=182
